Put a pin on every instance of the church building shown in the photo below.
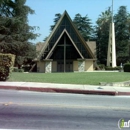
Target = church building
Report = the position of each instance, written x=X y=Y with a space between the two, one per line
x=65 y=50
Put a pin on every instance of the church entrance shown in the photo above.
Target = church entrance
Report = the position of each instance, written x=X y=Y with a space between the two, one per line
x=68 y=67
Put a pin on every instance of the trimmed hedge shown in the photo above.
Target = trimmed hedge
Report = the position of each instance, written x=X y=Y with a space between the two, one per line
x=18 y=70
x=6 y=65
x=111 y=68
x=101 y=66
x=127 y=67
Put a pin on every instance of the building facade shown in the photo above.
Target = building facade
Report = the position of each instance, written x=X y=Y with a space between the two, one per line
x=65 y=50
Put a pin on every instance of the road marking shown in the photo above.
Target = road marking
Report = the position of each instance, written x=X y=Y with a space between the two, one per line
x=66 y=106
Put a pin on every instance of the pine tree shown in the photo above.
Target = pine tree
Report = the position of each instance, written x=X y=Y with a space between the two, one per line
x=84 y=26
x=57 y=17
x=122 y=26
x=14 y=29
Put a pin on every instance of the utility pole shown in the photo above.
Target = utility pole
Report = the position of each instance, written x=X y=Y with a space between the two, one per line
x=111 y=54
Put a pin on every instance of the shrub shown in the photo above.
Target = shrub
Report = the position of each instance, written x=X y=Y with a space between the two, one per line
x=6 y=64
x=20 y=70
x=111 y=68
x=15 y=69
x=117 y=68
x=127 y=67
x=4 y=73
x=26 y=68
x=101 y=66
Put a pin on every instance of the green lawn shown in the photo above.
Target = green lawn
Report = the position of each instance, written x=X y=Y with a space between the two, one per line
x=93 y=78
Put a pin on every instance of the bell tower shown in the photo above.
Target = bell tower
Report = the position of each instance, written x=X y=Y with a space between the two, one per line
x=111 y=54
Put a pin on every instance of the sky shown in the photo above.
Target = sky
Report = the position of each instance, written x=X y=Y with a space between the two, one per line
x=45 y=11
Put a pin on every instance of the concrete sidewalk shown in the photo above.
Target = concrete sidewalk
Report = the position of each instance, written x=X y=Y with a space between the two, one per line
x=66 y=88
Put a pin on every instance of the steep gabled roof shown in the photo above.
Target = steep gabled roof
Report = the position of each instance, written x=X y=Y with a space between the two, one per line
x=64 y=30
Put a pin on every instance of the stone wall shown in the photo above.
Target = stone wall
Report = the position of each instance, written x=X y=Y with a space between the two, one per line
x=48 y=66
x=81 y=66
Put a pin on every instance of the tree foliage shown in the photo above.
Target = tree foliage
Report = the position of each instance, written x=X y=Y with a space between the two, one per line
x=102 y=35
x=84 y=26
x=100 y=32
x=122 y=26
x=57 y=17
x=14 y=29
x=122 y=35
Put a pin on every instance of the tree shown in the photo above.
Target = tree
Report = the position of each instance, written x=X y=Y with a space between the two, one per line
x=6 y=8
x=122 y=26
x=84 y=26
x=102 y=35
x=122 y=35
x=14 y=29
x=57 y=17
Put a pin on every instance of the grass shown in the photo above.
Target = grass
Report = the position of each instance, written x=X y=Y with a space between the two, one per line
x=92 y=78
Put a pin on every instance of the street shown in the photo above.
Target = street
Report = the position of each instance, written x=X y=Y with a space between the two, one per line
x=55 y=111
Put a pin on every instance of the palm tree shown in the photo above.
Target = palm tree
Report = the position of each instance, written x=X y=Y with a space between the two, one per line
x=104 y=18
x=102 y=35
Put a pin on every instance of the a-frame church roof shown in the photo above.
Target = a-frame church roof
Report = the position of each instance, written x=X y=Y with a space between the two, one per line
x=65 y=26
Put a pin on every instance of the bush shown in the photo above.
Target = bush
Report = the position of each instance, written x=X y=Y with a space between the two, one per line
x=4 y=73
x=20 y=70
x=127 y=67
x=111 y=68
x=101 y=66
x=15 y=69
x=6 y=64
x=26 y=68
x=118 y=68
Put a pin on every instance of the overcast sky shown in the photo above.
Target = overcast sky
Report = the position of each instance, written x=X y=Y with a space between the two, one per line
x=45 y=11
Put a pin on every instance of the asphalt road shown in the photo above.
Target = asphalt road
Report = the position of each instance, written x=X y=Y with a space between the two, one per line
x=52 y=111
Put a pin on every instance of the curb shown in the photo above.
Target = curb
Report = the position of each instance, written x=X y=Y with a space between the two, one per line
x=124 y=93
x=119 y=84
x=59 y=90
